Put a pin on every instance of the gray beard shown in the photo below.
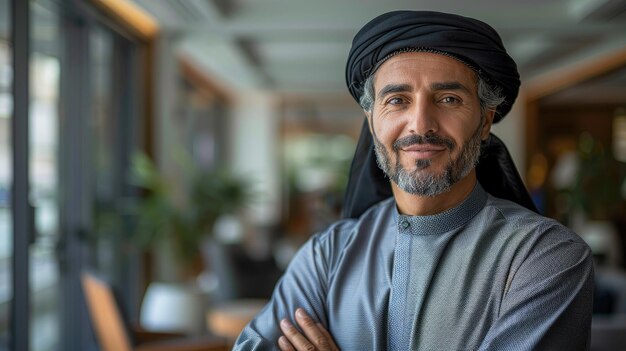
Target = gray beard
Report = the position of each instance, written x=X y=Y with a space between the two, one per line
x=420 y=182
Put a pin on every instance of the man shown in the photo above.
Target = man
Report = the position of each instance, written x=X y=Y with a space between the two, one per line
x=456 y=259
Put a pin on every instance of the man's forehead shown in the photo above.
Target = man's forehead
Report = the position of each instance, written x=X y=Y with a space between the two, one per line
x=434 y=69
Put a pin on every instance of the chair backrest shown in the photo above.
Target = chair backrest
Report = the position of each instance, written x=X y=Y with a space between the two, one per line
x=105 y=315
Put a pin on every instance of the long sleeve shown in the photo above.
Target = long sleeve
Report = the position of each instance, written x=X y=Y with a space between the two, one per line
x=548 y=301
x=304 y=284
x=486 y=275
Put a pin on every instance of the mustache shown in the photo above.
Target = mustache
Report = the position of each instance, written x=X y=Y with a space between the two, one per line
x=415 y=139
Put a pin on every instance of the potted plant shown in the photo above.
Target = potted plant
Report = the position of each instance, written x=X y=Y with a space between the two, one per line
x=185 y=219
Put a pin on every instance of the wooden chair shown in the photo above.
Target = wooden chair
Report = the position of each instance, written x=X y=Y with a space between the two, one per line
x=113 y=335
x=228 y=319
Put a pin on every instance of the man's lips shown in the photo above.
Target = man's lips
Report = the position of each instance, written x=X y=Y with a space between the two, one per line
x=423 y=150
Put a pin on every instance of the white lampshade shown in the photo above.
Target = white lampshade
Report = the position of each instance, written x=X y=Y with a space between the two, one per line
x=173 y=307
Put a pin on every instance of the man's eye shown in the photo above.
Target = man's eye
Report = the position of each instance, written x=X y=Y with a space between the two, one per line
x=395 y=101
x=450 y=100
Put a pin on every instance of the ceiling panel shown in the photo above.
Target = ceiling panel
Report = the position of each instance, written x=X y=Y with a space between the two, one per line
x=301 y=45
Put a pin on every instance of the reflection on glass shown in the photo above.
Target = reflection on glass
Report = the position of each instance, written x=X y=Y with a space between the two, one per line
x=6 y=236
x=108 y=221
x=45 y=69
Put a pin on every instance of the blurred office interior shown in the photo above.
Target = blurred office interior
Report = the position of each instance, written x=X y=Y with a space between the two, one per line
x=182 y=150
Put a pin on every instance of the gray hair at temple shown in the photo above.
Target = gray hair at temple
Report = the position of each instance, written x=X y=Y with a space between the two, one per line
x=490 y=97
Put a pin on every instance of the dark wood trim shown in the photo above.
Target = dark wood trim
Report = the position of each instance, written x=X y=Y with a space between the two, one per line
x=199 y=79
x=148 y=127
x=132 y=18
x=561 y=79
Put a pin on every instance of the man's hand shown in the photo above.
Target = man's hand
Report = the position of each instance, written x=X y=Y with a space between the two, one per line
x=315 y=337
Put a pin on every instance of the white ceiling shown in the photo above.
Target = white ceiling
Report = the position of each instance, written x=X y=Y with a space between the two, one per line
x=299 y=47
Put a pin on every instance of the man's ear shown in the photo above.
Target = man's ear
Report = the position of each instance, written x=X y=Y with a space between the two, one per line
x=489 y=115
x=368 y=116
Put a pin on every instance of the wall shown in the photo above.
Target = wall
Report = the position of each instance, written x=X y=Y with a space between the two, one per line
x=512 y=131
x=254 y=144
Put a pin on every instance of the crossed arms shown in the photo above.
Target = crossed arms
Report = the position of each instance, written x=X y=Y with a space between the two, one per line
x=547 y=305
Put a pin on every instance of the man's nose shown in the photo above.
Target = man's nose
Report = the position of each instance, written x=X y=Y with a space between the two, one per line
x=422 y=117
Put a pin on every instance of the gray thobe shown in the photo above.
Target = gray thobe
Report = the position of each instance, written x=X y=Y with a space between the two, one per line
x=485 y=275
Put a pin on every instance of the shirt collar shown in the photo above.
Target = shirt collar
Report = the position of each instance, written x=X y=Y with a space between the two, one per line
x=444 y=221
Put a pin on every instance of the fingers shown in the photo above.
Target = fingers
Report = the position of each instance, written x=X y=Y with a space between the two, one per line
x=315 y=337
x=284 y=344
x=296 y=340
x=331 y=341
x=312 y=331
x=327 y=335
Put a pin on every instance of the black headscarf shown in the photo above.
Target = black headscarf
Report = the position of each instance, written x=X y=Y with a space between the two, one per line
x=473 y=42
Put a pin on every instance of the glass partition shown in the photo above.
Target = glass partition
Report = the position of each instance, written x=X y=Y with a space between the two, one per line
x=6 y=233
x=45 y=73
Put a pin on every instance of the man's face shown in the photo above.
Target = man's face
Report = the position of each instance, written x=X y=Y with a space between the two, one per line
x=426 y=122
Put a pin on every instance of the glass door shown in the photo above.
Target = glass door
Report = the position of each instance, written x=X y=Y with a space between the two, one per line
x=6 y=174
x=114 y=130
x=44 y=122
x=78 y=113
